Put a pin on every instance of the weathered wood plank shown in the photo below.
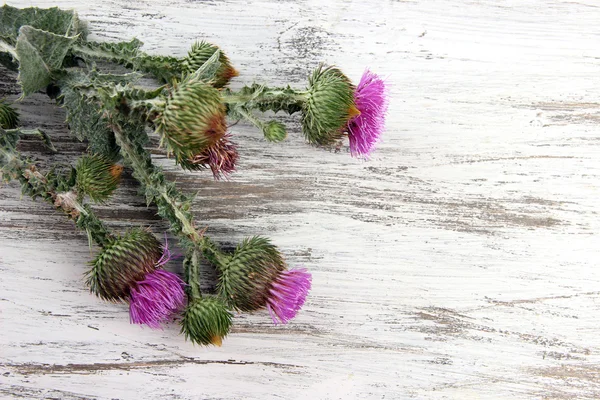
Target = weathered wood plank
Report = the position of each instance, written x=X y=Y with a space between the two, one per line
x=460 y=262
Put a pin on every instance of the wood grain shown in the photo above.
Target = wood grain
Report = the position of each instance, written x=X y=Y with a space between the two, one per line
x=461 y=262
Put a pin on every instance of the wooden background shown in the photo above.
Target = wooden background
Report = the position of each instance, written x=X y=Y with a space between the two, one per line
x=461 y=262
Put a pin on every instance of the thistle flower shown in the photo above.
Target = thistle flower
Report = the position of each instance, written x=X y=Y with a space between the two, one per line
x=121 y=263
x=371 y=99
x=287 y=294
x=156 y=298
x=97 y=177
x=206 y=321
x=200 y=53
x=192 y=119
x=221 y=158
x=255 y=276
x=9 y=117
x=328 y=107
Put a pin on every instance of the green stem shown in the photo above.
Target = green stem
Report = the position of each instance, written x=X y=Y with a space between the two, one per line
x=194 y=274
x=36 y=184
x=149 y=176
x=264 y=98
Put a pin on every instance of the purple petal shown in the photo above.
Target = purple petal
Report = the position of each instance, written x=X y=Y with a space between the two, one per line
x=166 y=255
x=371 y=98
x=288 y=294
x=155 y=299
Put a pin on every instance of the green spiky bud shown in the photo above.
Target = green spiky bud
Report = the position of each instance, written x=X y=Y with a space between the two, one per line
x=97 y=177
x=206 y=321
x=200 y=53
x=274 y=131
x=328 y=107
x=245 y=276
x=9 y=117
x=123 y=261
x=191 y=119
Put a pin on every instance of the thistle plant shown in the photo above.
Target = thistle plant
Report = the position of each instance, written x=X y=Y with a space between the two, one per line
x=188 y=107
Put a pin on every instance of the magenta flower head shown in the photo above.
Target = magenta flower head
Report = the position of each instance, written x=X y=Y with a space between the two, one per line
x=371 y=99
x=255 y=276
x=158 y=296
x=287 y=294
x=128 y=269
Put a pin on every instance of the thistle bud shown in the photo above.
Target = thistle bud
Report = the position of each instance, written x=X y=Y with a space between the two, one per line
x=200 y=53
x=274 y=131
x=9 y=117
x=255 y=276
x=328 y=107
x=121 y=263
x=192 y=118
x=97 y=177
x=206 y=321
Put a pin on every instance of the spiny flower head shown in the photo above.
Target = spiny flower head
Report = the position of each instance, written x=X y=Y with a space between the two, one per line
x=364 y=130
x=192 y=118
x=200 y=53
x=9 y=117
x=122 y=262
x=287 y=294
x=328 y=107
x=255 y=276
x=97 y=176
x=206 y=321
x=156 y=298
x=221 y=158
x=246 y=275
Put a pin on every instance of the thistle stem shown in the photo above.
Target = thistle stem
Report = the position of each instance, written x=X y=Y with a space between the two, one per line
x=149 y=176
x=263 y=98
x=36 y=184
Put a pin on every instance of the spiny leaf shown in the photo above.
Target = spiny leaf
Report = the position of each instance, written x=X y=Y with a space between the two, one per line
x=53 y=20
x=40 y=55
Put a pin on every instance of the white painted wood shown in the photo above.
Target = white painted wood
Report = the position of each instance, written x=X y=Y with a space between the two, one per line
x=461 y=262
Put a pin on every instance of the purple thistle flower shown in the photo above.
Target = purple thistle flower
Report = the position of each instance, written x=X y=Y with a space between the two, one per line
x=287 y=294
x=371 y=98
x=158 y=296
x=220 y=157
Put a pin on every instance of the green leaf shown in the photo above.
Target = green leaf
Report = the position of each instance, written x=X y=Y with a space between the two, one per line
x=53 y=20
x=40 y=55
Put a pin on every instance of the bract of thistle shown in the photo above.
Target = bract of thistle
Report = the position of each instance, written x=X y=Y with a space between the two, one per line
x=122 y=262
x=246 y=275
x=192 y=119
x=328 y=107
